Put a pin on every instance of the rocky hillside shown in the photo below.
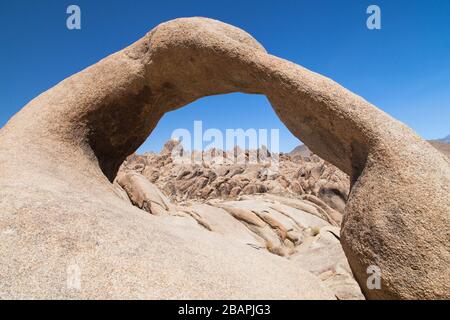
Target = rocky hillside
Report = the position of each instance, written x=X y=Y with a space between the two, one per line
x=293 y=210
x=298 y=231
x=296 y=176
x=293 y=213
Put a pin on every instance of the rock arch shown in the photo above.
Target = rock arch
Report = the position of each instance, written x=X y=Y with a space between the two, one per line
x=72 y=136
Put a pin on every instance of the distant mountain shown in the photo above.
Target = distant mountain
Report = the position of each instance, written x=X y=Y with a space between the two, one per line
x=300 y=150
x=442 y=145
x=446 y=139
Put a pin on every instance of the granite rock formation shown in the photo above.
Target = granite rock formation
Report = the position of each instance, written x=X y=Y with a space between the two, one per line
x=61 y=153
x=309 y=178
x=295 y=229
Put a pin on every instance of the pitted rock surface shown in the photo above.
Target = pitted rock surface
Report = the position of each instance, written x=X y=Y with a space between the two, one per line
x=61 y=152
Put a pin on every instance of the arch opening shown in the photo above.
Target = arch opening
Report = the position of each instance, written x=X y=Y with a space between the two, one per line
x=233 y=135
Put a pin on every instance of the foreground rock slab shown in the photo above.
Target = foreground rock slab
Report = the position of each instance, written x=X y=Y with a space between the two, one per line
x=60 y=154
x=290 y=228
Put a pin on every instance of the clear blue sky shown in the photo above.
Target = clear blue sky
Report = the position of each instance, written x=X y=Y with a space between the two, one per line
x=404 y=68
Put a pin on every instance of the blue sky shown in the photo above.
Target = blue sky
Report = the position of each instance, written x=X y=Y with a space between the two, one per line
x=404 y=68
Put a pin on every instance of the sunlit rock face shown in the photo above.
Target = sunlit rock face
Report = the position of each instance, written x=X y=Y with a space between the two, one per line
x=227 y=177
x=68 y=232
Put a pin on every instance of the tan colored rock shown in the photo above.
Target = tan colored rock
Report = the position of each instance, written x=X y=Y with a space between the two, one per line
x=72 y=139
x=144 y=194
x=223 y=223
x=183 y=181
x=312 y=243
x=331 y=215
x=323 y=256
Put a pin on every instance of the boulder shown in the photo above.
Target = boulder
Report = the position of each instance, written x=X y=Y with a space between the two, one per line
x=62 y=151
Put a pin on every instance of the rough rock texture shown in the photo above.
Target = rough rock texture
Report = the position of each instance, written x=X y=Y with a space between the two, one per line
x=290 y=228
x=62 y=151
x=295 y=176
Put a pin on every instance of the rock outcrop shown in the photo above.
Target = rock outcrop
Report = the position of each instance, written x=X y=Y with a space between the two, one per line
x=291 y=228
x=61 y=152
x=308 y=178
